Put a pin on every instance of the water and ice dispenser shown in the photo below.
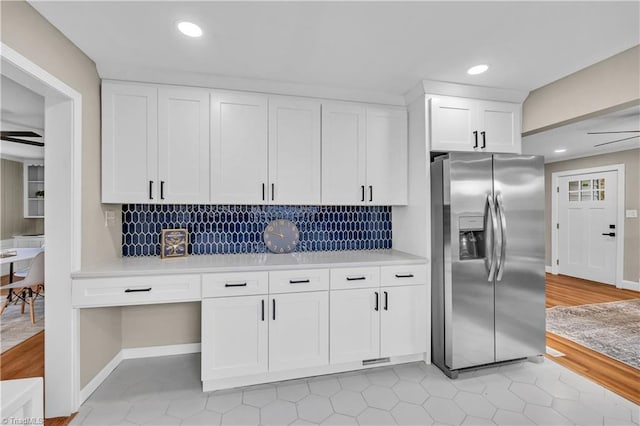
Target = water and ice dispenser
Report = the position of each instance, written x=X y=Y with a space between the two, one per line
x=471 y=237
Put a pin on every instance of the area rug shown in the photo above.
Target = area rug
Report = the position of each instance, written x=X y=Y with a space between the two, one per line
x=16 y=328
x=612 y=328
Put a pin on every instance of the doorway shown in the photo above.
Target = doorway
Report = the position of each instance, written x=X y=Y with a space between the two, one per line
x=588 y=226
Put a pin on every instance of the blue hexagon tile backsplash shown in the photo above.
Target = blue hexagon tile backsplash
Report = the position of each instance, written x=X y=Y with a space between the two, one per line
x=238 y=229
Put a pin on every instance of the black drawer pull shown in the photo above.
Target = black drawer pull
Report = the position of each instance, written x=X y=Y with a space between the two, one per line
x=262 y=309
x=299 y=281
x=404 y=275
x=137 y=290
x=274 y=308
x=356 y=278
x=236 y=285
x=386 y=301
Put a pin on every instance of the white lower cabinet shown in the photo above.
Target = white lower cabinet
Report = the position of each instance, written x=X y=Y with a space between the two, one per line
x=403 y=326
x=355 y=325
x=234 y=336
x=299 y=330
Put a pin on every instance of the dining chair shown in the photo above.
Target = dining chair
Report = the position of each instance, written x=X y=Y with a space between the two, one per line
x=29 y=288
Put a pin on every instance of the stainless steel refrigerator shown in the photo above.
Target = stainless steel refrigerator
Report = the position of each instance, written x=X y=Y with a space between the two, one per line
x=488 y=284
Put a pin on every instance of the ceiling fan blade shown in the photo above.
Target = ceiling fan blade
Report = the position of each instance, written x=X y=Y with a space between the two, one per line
x=619 y=140
x=19 y=133
x=620 y=131
x=23 y=141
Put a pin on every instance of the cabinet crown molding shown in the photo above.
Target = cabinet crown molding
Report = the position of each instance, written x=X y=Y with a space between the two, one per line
x=444 y=88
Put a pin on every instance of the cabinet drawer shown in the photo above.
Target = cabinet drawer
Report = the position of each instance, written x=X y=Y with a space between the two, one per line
x=235 y=284
x=344 y=278
x=403 y=275
x=299 y=280
x=96 y=292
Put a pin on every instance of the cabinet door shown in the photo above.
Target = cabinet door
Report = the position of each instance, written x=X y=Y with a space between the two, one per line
x=234 y=336
x=238 y=148
x=129 y=143
x=386 y=156
x=183 y=145
x=298 y=330
x=294 y=151
x=404 y=320
x=355 y=325
x=501 y=122
x=343 y=154
x=453 y=123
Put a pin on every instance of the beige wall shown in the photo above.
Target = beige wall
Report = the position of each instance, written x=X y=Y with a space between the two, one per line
x=631 y=160
x=12 y=221
x=605 y=86
x=100 y=340
x=156 y=325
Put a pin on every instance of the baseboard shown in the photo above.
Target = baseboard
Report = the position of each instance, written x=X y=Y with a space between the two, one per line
x=631 y=285
x=153 y=351
x=90 y=387
x=548 y=269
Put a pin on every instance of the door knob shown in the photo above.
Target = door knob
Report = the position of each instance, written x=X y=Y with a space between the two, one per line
x=609 y=234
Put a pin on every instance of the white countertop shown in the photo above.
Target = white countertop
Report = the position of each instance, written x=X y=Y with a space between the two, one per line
x=198 y=264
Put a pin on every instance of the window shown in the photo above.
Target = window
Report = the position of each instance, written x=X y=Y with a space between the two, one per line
x=586 y=190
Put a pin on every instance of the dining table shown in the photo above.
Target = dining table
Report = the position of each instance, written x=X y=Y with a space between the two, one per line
x=21 y=254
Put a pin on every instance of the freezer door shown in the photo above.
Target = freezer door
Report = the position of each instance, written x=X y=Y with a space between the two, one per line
x=520 y=281
x=468 y=291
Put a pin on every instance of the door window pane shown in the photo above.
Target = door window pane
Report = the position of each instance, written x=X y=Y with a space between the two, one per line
x=574 y=185
x=574 y=196
x=585 y=196
x=585 y=184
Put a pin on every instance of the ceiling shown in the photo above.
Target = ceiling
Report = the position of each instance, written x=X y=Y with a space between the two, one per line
x=382 y=47
x=576 y=141
x=20 y=109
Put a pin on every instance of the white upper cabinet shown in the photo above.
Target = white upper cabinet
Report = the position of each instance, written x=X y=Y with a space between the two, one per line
x=364 y=155
x=386 y=156
x=183 y=145
x=461 y=124
x=238 y=148
x=129 y=143
x=294 y=151
x=343 y=153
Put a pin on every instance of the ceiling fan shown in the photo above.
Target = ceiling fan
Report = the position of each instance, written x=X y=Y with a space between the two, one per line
x=16 y=136
x=616 y=132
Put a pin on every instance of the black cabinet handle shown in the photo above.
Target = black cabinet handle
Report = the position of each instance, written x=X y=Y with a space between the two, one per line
x=273 y=190
x=484 y=139
x=299 y=281
x=274 y=309
x=386 y=301
x=377 y=296
x=137 y=290
x=356 y=278
x=610 y=234
x=475 y=135
x=262 y=309
x=404 y=275
x=236 y=285
x=370 y=192
x=162 y=190
x=151 y=190
x=263 y=189
x=362 y=187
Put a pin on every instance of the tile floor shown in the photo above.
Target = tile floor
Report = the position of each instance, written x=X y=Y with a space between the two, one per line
x=166 y=391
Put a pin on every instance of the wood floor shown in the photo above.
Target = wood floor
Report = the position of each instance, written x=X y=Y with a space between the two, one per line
x=27 y=358
x=614 y=375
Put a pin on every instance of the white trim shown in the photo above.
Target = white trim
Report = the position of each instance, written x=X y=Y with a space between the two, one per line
x=548 y=269
x=153 y=351
x=630 y=285
x=93 y=384
x=445 y=88
x=620 y=168
x=61 y=321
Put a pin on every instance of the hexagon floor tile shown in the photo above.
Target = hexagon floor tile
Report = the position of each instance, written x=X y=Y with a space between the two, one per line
x=167 y=391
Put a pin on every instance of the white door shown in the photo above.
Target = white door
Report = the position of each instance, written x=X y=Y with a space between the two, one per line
x=355 y=325
x=183 y=145
x=587 y=212
x=386 y=156
x=129 y=143
x=454 y=124
x=294 y=151
x=343 y=154
x=298 y=330
x=499 y=125
x=238 y=148
x=403 y=322
x=234 y=336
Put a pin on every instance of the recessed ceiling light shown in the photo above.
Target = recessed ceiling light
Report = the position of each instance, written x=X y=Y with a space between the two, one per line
x=478 y=69
x=189 y=29
x=559 y=151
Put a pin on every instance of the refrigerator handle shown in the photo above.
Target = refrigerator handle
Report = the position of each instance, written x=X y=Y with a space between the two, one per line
x=494 y=230
x=503 y=236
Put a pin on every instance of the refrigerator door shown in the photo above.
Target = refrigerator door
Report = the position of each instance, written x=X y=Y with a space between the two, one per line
x=520 y=281
x=468 y=291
